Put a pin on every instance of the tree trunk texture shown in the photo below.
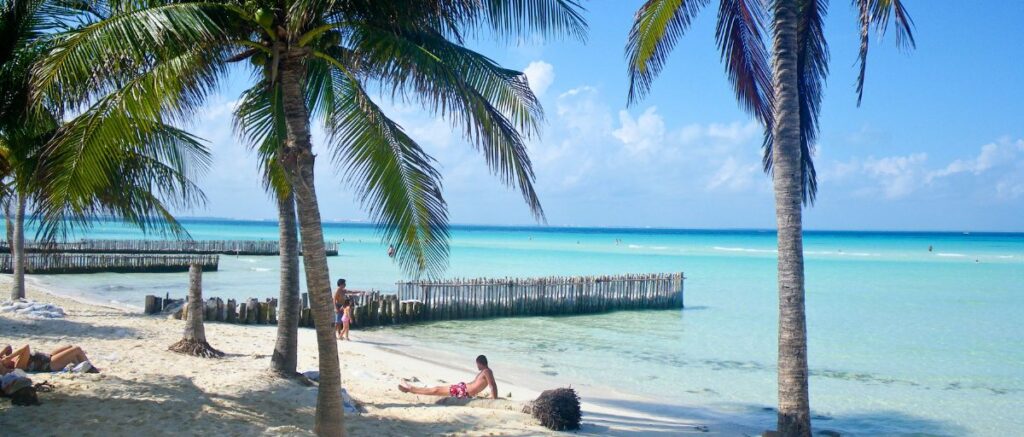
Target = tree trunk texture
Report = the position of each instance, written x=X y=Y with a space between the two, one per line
x=193 y=341
x=8 y=215
x=286 y=349
x=794 y=403
x=298 y=160
x=18 y=250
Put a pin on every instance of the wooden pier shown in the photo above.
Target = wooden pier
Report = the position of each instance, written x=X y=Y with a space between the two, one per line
x=422 y=301
x=61 y=263
x=166 y=247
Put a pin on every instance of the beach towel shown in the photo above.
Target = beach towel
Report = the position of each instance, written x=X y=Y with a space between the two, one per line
x=32 y=309
x=350 y=405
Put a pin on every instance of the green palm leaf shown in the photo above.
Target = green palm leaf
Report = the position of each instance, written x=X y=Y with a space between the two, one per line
x=657 y=27
x=494 y=105
x=394 y=178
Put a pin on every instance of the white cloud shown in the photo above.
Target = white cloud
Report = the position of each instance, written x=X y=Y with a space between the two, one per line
x=435 y=132
x=541 y=75
x=898 y=176
x=991 y=155
x=642 y=136
x=727 y=134
x=733 y=175
x=997 y=168
x=582 y=113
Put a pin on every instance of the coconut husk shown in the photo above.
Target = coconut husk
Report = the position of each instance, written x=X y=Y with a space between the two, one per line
x=195 y=348
x=557 y=409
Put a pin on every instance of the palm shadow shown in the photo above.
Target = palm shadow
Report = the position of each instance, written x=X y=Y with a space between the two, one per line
x=174 y=405
x=658 y=420
x=52 y=329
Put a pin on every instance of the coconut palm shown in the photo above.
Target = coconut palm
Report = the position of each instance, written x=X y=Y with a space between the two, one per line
x=33 y=162
x=786 y=99
x=22 y=134
x=258 y=123
x=179 y=50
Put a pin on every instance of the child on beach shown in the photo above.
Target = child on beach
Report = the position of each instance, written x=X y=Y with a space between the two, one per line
x=339 y=299
x=346 y=319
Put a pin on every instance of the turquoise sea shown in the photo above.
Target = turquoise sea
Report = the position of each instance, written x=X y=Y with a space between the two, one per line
x=903 y=340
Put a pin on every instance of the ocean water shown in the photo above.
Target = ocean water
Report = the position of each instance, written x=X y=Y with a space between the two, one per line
x=903 y=340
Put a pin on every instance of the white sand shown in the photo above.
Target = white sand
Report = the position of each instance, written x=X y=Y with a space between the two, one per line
x=145 y=390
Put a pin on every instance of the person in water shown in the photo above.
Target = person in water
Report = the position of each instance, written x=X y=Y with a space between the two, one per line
x=391 y=251
x=483 y=380
x=346 y=319
x=23 y=358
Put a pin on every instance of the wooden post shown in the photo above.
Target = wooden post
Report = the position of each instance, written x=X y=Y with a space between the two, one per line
x=151 y=305
x=272 y=315
x=230 y=309
x=254 y=311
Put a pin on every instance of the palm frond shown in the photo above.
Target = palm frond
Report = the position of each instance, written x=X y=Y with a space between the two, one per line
x=877 y=13
x=95 y=60
x=105 y=162
x=740 y=39
x=548 y=17
x=259 y=121
x=657 y=27
x=394 y=178
x=494 y=105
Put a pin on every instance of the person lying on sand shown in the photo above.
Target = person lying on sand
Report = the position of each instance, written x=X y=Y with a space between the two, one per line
x=23 y=358
x=483 y=380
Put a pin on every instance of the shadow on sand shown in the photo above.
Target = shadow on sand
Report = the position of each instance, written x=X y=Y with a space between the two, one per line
x=655 y=419
x=15 y=328
x=174 y=405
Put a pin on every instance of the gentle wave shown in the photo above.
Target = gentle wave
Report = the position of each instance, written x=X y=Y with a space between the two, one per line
x=951 y=255
x=744 y=249
x=259 y=269
x=838 y=253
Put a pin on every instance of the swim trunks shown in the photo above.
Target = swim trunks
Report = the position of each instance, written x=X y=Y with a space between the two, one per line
x=458 y=390
x=39 y=362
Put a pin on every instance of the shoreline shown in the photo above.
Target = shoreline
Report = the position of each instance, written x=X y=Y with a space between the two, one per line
x=372 y=366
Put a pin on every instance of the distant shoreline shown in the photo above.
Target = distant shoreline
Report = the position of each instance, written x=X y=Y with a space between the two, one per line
x=631 y=230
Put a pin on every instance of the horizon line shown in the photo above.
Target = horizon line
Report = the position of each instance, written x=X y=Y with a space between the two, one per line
x=624 y=227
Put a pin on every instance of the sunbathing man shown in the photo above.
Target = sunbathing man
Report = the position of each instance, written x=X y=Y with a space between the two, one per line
x=483 y=380
x=55 y=361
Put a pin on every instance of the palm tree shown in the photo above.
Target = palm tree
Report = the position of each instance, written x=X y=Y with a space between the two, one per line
x=32 y=161
x=786 y=99
x=319 y=54
x=258 y=122
x=286 y=349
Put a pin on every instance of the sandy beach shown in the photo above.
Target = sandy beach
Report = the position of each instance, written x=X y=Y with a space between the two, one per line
x=145 y=390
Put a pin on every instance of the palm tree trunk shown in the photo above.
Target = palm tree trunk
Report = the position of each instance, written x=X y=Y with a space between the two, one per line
x=8 y=215
x=193 y=340
x=794 y=402
x=18 y=250
x=297 y=161
x=286 y=348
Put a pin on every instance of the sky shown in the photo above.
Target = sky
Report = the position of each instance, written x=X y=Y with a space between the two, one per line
x=937 y=144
